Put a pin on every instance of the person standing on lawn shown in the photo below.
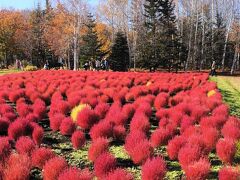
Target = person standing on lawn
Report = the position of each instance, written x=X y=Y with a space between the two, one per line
x=18 y=64
x=213 y=68
x=98 y=65
x=105 y=62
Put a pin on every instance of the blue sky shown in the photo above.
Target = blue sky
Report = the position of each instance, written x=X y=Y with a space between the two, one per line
x=27 y=4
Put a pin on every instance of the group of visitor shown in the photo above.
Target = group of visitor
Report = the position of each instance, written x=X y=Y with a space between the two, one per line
x=19 y=65
x=46 y=65
x=96 y=65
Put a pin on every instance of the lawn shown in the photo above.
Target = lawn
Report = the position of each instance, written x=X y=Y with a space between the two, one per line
x=230 y=89
x=8 y=71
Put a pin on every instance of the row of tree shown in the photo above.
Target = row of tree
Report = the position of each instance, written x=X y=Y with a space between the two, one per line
x=149 y=34
x=67 y=32
x=187 y=34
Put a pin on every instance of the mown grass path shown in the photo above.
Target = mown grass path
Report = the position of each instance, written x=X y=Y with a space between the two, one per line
x=230 y=89
x=3 y=72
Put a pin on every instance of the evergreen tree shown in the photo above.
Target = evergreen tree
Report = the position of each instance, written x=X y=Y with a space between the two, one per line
x=150 y=54
x=91 y=48
x=40 y=51
x=208 y=38
x=37 y=32
x=219 y=37
x=161 y=40
x=169 y=35
x=119 y=59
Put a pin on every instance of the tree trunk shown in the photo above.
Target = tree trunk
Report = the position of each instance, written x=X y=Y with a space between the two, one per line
x=190 y=41
x=212 y=33
x=134 y=51
x=68 y=57
x=203 y=41
x=75 y=43
x=195 y=38
x=227 y=35
x=238 y=63
x=224 y=50
x=180 y=29
x=6 y=59
x=75 y=54
x=235 y=59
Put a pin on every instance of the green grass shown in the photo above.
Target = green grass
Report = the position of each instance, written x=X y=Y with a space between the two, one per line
x=230 y=90
x=9 y=71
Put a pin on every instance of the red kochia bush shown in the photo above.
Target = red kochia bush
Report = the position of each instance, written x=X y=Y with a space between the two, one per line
x=53 y=168
x=16 y=129
x=128 y=110
x=63 y=106
x=198 y=170
x=119 y=132
x=18 y=167
x=32 y=117
x=75 y=174
x=154 y=168
x=141 y=152
x=86 y=118
x=15 y=95
x=140 y=122
x=104 y=164
x=188 y=154
x=3 y=95
x=198 y=112
x=78 y=139
x=228 y=173
x=138 y=147
x=10 y=116
x=185 y=108
x=5 y=108
x=39 y=108
x=231 y=129
x=97 y=147
x=55 y=121
x=222 y=110
x=210 y=137
x=23 y=109
x=161 y=100
x=175 y=116
x=174 y=146
x=67 y=126
x=25 y=145
x=192 y=130
x=226 y=150
x=162 y=113
x=159 y=137
x=186 y=123
x=117 y=118
x=5 y=148
x=197 y=140
x=86 y=174
x=101 y=110
x=145 y=108
x=133 y=138
x=37 y=135
x=1 y=171
x=101 y=129
x=41 y=156
x=119 y=174
x=163 y=122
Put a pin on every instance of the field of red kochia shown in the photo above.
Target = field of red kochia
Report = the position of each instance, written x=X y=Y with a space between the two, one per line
x=187 y=111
